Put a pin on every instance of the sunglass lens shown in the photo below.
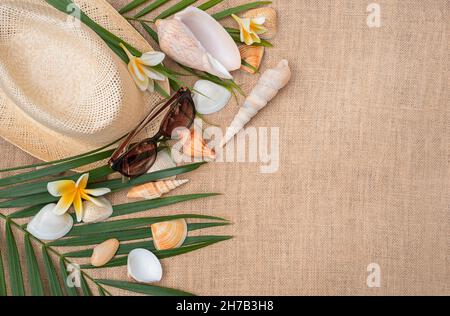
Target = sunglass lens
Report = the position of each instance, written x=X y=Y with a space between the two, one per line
x=181 y=115
x=138 y=160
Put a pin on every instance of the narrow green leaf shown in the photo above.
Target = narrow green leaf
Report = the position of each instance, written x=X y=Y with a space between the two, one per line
x=150 y=8
x=63 y=167
x=101 y=292
x=143 y=288
x=114 y=185
x=41 y=186
x=125 y=235
x=174 y=9
x=132 y=5
x=34 y=276
x=124 y=249
x=71 y=291
x=246 y=64
x=53 y=281
x=150 y=32
x=208 y=5
x=130 y=208
x=3 y=291
x=86 y=290
x=239 y=9
x=120 y=225
x=12 y=257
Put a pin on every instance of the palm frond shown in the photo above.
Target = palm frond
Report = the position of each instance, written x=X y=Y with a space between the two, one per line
x=132 y=5
x=13 y=261
x=53 y=280
x=174 y=9
x=85 y=289
x=208 y=5
x=3 y=291
x=143 y=288
x=235 y=10
x=71 y=291
x=34 y=275
x=153 y=6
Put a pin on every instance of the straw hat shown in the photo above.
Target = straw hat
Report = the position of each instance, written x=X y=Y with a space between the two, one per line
x=63 y=91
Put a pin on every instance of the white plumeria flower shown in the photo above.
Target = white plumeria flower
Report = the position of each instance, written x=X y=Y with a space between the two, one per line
x=141 y=71
x=250 y=28
x=73 y=193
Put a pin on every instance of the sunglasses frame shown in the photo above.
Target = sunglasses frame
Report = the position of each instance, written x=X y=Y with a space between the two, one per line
x=120 y=153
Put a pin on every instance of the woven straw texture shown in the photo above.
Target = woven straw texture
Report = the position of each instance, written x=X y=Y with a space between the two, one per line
x=53 y=108
x=364 y=162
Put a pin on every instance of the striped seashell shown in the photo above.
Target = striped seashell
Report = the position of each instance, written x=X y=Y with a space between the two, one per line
x=154 y=190
x=169 y=235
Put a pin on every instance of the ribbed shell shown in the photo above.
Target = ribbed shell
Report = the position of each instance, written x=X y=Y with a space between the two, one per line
x=253 y=55
x=169 y=235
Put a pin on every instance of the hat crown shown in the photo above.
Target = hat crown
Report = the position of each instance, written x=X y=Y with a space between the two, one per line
x=62 y=75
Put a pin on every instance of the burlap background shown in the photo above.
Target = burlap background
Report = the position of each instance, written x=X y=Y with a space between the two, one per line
x=365 y=171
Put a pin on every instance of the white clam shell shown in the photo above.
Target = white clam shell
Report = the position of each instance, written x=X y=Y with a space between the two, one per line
x=210 y=97
x=94 y=214
x=163 y=161
x=48 y=226
x=195 y=39
x=144 y=266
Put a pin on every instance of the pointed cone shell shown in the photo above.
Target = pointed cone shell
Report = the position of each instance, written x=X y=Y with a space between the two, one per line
x=252 y=55
x=154 y=190
x=271 y=23
x=104 y=252
x=194 y=146
x=195 y=39
x=169 y=235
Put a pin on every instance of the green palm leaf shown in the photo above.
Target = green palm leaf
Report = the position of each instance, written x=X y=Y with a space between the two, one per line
x=85 y=289
x=125 y=235
x=150 y=8
x=208 y=5
x=63 y=167
x=150 y=32
x=34 y=276
x=15 y=270
x=120 y=225
x=132 y=5
x=28 y=212
x=54 y=285
x=174 y=9
x=239 y=9
x=101 y=292
x=144 y=288
x=71 y=291
x=2 y=278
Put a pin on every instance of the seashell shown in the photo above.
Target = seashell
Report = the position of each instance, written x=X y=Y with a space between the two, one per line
x=271 y=81
x=195 y=146
x=94 y=213
x=144 y=266
x=195 y=39
x=154 y=190
x=104 y=252
x=271 y=20
x=210 y=97
x=252 y=55
x=169 y=235
x=48 y=226
x=163 y=161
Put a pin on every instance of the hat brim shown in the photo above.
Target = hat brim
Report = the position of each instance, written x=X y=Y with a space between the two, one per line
x=39 y=140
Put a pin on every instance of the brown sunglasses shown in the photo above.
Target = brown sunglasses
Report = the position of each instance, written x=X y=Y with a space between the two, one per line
x=139 y=157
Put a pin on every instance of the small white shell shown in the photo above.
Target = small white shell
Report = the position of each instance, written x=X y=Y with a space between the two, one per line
x=163 y=161
x=48 y=226
x=94 y=214
x=144 y=266
x=210 y=97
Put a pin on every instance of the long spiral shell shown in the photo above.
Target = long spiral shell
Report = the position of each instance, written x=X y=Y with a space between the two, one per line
x=154 y=190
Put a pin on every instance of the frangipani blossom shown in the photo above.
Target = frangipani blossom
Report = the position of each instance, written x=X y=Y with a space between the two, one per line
x=141 y=71
x=73 y=193
x=250 y=28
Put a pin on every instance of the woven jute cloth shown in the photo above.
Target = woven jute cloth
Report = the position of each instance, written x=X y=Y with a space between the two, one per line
x=364 y=162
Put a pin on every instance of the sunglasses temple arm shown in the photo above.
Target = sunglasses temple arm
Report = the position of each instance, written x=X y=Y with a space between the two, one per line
x=151 y=116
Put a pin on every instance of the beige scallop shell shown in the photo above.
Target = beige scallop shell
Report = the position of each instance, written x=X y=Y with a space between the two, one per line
x=253 y=55
x=271 y=20
x=169 y=235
